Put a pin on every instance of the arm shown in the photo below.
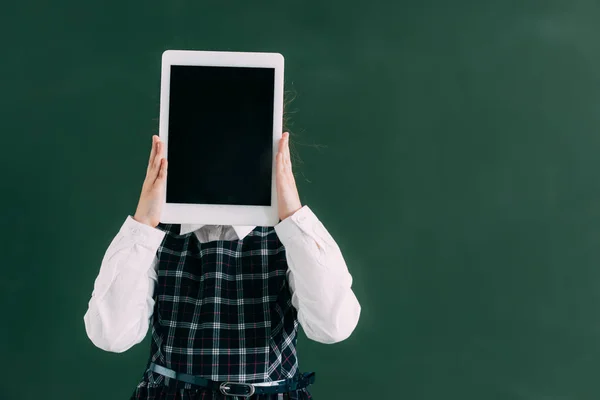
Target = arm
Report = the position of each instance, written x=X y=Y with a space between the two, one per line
x=318 y=278
x=122 y=300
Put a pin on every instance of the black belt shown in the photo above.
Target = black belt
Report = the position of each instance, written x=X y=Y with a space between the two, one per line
x=235 y=388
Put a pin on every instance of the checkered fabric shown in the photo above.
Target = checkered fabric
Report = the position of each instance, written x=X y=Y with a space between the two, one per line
x=222 y=311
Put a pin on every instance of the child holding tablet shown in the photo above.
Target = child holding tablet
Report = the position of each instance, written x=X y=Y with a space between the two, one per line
x=223 y=302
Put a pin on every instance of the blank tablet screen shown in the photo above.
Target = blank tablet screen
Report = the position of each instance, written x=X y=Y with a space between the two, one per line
x=220 y=145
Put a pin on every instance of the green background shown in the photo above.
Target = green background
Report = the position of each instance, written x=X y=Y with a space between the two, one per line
x=450 y=147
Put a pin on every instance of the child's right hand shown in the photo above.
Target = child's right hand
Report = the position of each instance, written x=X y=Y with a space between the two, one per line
x=153 y=190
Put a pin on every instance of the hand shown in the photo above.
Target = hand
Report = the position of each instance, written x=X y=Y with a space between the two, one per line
x=288 y=200
x=151 y=200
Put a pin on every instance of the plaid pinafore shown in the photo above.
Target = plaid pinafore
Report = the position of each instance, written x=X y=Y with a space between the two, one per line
x=222 y=311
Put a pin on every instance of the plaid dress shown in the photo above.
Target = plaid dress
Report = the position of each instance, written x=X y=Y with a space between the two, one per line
x=222 y=311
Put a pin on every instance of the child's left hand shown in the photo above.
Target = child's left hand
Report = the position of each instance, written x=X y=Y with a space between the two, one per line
x=288 y=200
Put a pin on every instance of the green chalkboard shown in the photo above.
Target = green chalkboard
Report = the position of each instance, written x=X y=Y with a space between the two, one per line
x=452 y=149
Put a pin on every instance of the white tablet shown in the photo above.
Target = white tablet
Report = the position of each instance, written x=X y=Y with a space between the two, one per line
x=221 y=120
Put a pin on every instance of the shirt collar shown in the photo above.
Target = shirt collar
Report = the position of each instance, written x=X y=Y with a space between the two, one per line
x=241 y=230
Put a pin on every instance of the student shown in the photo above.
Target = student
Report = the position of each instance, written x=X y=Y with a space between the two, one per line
x=223 y=302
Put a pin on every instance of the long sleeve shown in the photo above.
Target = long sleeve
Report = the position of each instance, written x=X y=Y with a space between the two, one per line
x=318 y=278
x=122 y=300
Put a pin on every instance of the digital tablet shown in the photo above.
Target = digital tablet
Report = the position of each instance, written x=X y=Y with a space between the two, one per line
x=220 y=121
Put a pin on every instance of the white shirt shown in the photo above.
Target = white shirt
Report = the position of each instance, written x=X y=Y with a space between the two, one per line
x=121 y=306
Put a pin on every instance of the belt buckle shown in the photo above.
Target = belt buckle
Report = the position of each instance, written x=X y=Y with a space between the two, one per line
x=226 y=389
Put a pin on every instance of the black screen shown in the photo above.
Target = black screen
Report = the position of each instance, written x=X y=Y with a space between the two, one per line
x=220 y=147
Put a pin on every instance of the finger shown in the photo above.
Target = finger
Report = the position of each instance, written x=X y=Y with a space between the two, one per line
x=162 y=172
x=151 y=163
x=162 y=148
x=282 y=141
x=153 y=150
x=281 y=173
x=154 y=167
x=158 y=157
x=278 y=161
x=286 y=157
x=282 y=161
x=282 y=144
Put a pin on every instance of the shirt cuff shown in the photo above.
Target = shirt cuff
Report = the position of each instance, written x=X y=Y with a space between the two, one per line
x=142 y=234
x=296 y=224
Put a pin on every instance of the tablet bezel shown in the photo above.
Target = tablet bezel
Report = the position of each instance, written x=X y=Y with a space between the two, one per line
x=218 y=214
